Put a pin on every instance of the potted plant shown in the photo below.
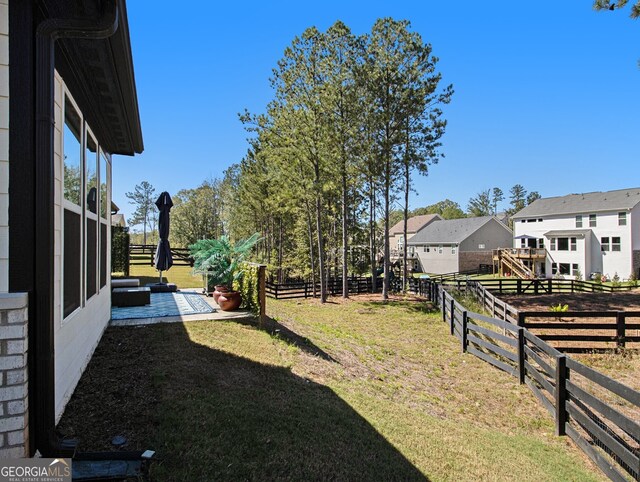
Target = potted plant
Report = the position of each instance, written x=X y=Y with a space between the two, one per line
x=219 y=260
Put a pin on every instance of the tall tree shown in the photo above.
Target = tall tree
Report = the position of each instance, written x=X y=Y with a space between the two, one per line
x=402 y=97
x=481 y=204
x=533 y=196
x=518 y=197
x=197 y=213
x=497 y=197
x=142 y=197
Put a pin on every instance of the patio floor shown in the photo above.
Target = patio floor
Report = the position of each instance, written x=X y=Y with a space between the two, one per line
x=186 y=305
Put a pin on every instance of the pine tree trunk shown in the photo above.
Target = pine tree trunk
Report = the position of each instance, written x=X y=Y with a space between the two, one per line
x=311 y=255
x=387 y=265
x=405 y=246
x=345 y=280
x=321 y=254
x=280 y=277
x=372 y=238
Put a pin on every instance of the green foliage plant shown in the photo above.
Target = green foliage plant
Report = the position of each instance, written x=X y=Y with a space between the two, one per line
x=247 y=285
x=559 y=308
x=633 y=280
x=221 y=259
x=578 y=275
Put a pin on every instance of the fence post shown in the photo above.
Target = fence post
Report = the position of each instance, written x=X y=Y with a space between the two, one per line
x=521 y=319
x=620 y=329
x=561 y=394
x=550 y=286
x=262 y=292
x=519 y=286
x=444 y=305
x=452 y=321
x=305 y=290
x=464 y=331
x=521 y=367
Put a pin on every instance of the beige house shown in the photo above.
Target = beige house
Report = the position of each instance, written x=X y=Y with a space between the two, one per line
x=414 y=224
x=455 y=245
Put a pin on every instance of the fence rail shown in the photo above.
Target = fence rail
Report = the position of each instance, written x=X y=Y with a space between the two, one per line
x=305 y=289
x=143 y=254
x=598 y=413
x=549 y=286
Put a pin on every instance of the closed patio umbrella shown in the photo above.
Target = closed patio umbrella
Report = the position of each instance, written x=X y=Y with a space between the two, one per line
x=163 y=260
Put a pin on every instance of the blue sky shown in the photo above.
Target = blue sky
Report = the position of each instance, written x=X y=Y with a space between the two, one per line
x=546 y=95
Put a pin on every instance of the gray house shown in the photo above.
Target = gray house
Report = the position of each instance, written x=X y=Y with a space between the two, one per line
x=459 y=244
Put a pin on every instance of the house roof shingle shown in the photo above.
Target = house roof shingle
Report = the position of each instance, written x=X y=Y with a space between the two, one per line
x=414 y=224
x=590 y=202
x=450 y=231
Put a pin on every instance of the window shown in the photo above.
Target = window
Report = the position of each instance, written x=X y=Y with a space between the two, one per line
x=439 y=249
x=579 y=221
x=72 y=217
x=91 y=227
x=574 y=244
x=539 y=220
x=604 y=244
x=554 y=268
x=531 y=220
x=592 y=221
x=105 y=211
x=564 y=268
x=563 y=244
x=615 y=243
x=453 y=249
x=541 y=243
x=553 y=244
x=523 y=243
x=85 y=220
x=575 y=269
x=481 y=246
x=425 y=249
x=622 y=219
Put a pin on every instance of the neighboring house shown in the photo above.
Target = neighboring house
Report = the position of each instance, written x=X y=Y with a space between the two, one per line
x=597 y=232
x=118 y=220
x=68 y=102
x=414 y=224
x=459 y=244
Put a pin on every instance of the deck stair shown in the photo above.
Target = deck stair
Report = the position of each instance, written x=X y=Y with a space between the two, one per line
x=507 y=259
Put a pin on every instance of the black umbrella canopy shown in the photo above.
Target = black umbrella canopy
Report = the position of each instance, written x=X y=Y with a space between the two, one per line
x=163 y=259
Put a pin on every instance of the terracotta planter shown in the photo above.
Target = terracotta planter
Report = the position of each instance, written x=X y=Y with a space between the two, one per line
x=219 y=289
x=229 y=300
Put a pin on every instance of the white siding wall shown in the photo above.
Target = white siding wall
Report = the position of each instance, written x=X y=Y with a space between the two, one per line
x=4 y=146
x=588 y=254
x=76 y=336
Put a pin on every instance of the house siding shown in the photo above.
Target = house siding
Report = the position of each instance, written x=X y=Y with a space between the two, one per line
x=435 y=262
x=588 y=255
x=77 y=336
x=4 y=146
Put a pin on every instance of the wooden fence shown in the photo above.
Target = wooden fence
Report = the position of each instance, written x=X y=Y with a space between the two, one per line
x=143 y=254
x=548 y=286
x=304 y=289
x=598 y=413
x=614 y=330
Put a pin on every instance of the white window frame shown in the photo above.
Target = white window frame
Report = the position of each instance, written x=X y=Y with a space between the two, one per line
x=622 y=219
x=593 y=220
x=616 y=245
x=579 y=221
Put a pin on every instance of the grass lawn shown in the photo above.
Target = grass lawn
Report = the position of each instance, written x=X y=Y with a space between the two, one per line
x=180 y=275
x=346 y=391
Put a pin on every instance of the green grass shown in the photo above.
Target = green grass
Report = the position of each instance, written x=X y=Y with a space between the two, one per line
x=180 y=275
x=342 y=391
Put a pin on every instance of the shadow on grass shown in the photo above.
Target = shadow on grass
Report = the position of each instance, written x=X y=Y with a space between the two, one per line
x=212 y=415
x=275 y=329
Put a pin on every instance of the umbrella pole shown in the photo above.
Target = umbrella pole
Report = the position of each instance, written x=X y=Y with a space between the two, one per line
x=160 y=277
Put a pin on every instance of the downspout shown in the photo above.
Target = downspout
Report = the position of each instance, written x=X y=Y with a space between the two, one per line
x=42 y=408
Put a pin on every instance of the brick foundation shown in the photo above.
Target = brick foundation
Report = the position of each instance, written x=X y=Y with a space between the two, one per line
x=14 y=423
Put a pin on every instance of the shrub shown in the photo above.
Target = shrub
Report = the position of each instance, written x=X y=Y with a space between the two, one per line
x=615 y=281
x=578 y=275
x=560 y=308
x=633 y=280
